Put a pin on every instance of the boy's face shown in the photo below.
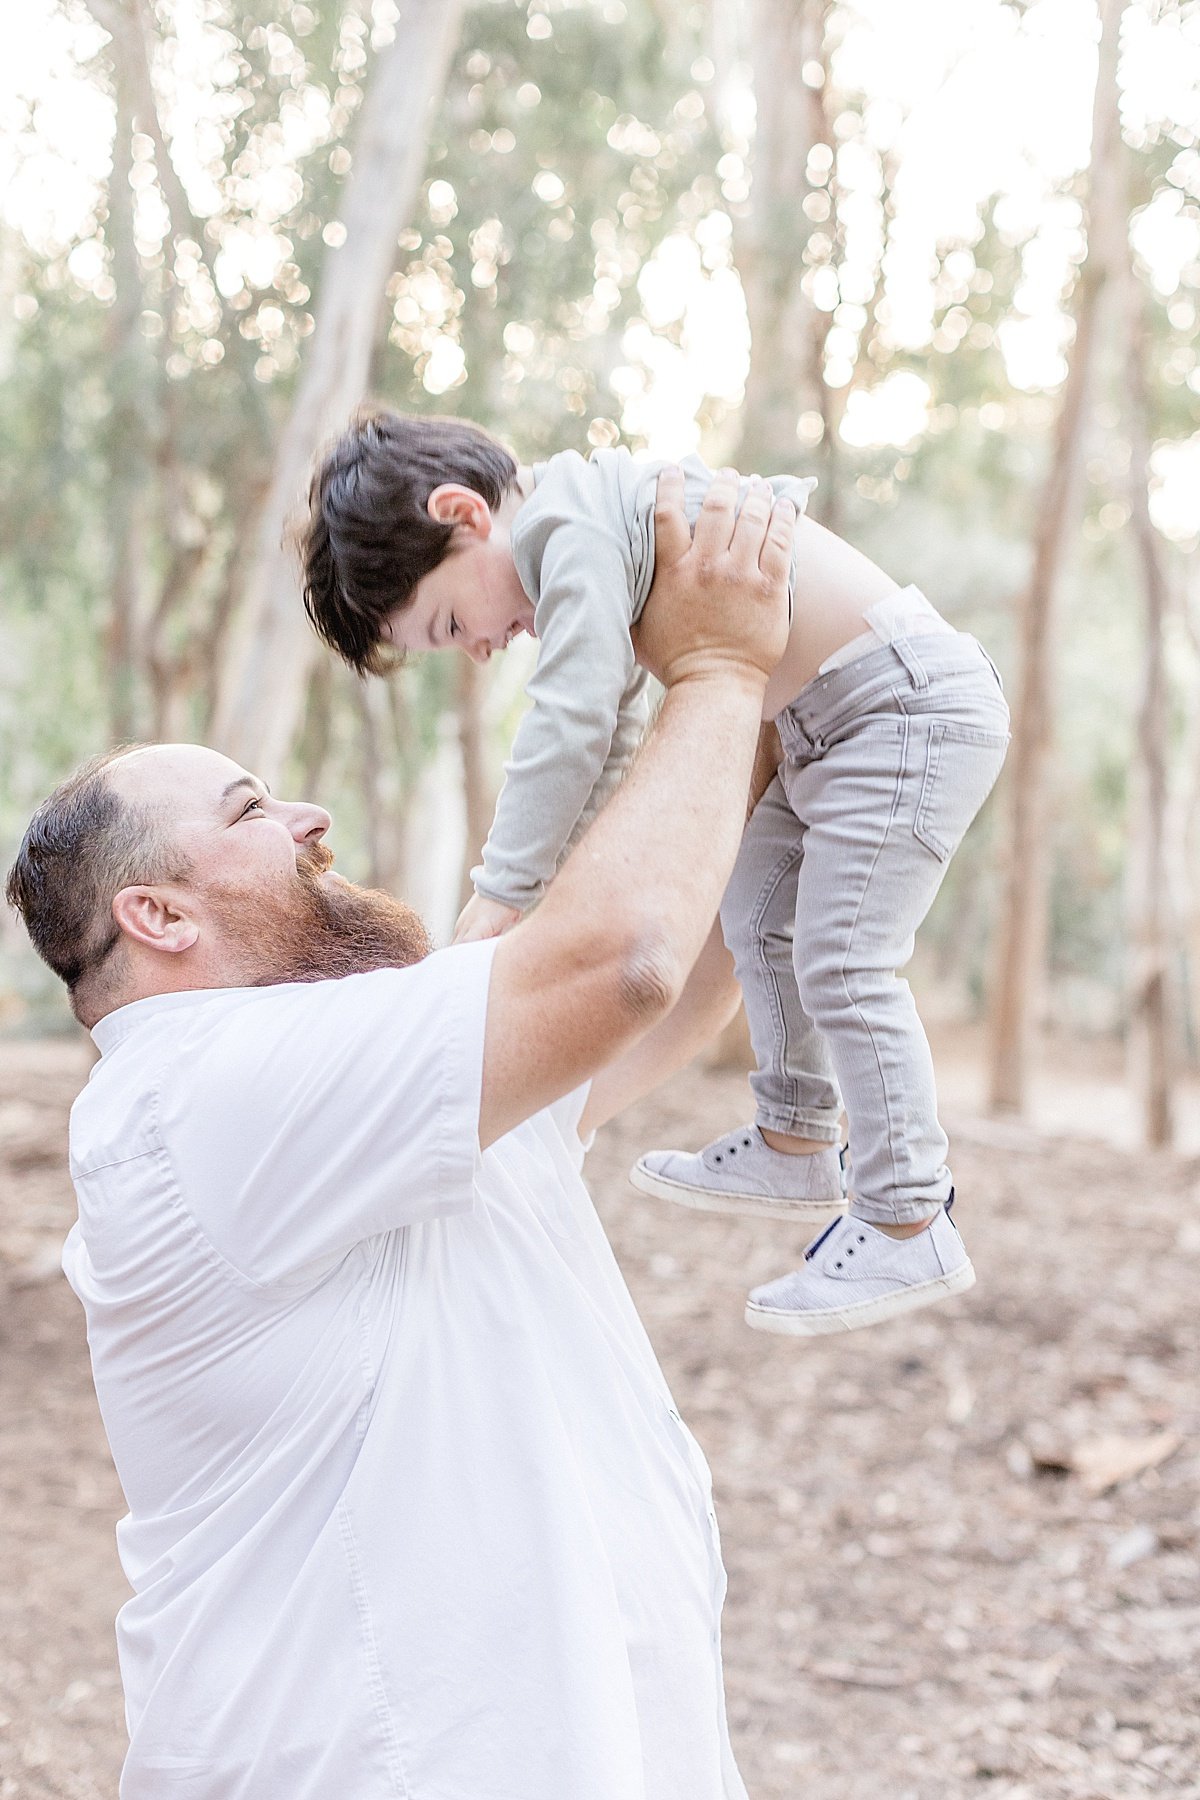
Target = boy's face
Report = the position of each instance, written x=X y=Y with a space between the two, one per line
x=473 y=601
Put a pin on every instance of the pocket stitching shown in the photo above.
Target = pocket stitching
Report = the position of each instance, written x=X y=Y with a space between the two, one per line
x=921 y=829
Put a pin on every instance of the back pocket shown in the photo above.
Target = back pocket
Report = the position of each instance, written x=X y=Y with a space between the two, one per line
x=961 y=766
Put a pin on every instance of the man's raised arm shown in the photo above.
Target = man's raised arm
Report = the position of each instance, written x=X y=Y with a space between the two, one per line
x=606 y=954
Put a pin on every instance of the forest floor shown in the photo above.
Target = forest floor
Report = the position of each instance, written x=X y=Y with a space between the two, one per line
x=947 y=1576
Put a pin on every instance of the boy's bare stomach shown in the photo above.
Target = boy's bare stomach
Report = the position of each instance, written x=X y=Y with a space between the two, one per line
x=835 y=584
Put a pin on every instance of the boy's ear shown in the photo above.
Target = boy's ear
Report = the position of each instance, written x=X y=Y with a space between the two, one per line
x=453 y=504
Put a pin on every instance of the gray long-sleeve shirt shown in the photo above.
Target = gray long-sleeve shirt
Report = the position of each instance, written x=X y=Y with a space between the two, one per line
x=583 y=545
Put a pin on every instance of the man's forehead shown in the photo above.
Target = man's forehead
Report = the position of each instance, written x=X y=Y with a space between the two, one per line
x=184 y=779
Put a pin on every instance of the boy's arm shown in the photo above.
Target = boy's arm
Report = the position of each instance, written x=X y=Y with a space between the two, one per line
x=585 y=665
x=605 y=957
x=633 y=715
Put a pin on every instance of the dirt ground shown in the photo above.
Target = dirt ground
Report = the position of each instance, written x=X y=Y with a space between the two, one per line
x=933 y=1593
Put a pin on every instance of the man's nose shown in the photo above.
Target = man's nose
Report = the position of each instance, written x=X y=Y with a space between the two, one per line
x=308 y=823
x=480 y=650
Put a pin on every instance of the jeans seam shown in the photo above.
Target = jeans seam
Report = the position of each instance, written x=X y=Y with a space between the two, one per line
x=790 y=858
x=857 y=1009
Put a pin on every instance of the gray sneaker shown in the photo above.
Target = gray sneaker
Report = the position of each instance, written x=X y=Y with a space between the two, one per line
x=741 y=1173
x=853 y=1275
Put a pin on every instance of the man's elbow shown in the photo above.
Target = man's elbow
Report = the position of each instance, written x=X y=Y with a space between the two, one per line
x=650 y=979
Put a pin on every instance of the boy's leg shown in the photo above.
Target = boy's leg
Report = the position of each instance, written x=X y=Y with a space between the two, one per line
x=793 y=1082
x=884 y=809
x=794 y=1085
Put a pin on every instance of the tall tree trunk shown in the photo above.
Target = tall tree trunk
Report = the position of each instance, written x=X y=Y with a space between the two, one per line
x=787 y=332
x=370 y=783
x=259 y=709
x=1020 y=963
x=1185 y=835
x=131 y=377
x=1151 y=1009
x=470 y=686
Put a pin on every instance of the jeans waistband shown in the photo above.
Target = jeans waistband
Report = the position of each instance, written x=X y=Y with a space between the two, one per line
x=911 y=664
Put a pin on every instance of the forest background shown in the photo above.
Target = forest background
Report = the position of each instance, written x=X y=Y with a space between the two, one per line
x=944 y=255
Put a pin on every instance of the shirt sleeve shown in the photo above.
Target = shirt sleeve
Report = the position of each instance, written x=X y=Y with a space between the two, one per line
x=328 y=1113
x=585 y=667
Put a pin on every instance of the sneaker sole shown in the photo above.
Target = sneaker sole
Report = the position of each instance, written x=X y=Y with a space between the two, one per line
x=863 y=1312
x=754 y=1206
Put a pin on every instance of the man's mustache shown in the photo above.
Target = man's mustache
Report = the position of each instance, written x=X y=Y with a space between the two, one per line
x=314 y=859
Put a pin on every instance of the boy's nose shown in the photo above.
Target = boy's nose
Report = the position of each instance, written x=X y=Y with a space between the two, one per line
x=480 y=650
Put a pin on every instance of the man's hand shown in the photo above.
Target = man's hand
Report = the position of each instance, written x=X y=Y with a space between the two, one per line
x=719 y=600
x=483 y=918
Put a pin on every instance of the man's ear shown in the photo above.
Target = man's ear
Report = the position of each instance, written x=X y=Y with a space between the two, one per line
x=147 y=916
x=453 y=504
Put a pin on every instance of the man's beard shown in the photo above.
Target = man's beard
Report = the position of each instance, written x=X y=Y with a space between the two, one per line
x=317 y=930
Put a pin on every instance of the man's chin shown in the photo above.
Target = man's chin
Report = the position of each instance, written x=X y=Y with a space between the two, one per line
x=322 y=928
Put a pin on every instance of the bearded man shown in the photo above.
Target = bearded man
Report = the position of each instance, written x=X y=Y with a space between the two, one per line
x=411 y=1513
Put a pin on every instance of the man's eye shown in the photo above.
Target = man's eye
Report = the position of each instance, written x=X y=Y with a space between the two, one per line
x=453 y=626
x=255 y=802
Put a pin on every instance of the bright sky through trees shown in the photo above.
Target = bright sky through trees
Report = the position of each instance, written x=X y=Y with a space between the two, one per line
x=970 y=99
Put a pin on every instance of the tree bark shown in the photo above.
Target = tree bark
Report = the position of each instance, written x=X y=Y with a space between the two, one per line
x=259 y=709
x=1019 y=976
x=130 y=379
x=1151 y=987
x=470 y=685
x=1185 y=835
x=787 y=332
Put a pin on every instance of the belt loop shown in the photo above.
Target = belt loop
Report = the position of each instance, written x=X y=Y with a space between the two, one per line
x=912 y=662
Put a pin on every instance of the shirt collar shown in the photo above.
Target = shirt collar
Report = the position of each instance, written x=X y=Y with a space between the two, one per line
x=116 y=1026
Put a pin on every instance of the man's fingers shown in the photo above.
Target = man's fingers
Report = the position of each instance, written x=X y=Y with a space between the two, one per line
x=714 y=527
x=752 y=523
x=672 y=535
x=775 y=559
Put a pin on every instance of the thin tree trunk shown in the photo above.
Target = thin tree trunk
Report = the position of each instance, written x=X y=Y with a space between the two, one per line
x=130 y=375
x=318 y=729
x=370 y=780
x=1185 y=836
x=1151 y=1009
x=1020 y=963
x=470 y=684
x=258 y=712
x=787 y=333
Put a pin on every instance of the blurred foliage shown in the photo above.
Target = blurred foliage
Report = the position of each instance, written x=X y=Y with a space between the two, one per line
x=573 y=140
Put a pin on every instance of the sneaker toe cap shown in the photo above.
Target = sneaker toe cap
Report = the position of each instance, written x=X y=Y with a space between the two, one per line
x=778 y=1293
x=669 y=1165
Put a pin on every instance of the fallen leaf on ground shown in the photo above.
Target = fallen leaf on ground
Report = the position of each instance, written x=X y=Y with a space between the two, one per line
x=1104 y=1462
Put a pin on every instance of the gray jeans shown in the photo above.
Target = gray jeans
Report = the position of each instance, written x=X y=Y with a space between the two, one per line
x=886 y=763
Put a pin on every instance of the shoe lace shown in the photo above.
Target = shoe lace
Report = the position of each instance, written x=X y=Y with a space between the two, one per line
x=817 y=1242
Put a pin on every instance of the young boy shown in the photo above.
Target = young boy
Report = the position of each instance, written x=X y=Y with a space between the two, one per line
x=425 y=535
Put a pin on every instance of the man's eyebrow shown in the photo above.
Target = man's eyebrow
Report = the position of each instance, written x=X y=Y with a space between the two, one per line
x=244 y=781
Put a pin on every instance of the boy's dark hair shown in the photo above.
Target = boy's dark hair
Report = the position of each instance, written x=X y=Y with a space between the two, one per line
x=369 y=538
x=82 y=846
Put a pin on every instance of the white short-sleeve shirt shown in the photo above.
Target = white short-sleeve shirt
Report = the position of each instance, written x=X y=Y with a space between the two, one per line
x=411 y=1514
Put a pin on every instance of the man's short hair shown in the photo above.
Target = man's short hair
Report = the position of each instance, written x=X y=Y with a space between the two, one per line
x=369 y=538
x=82 y=846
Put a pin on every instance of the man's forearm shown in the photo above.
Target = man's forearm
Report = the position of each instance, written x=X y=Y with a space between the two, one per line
x=651 y=870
